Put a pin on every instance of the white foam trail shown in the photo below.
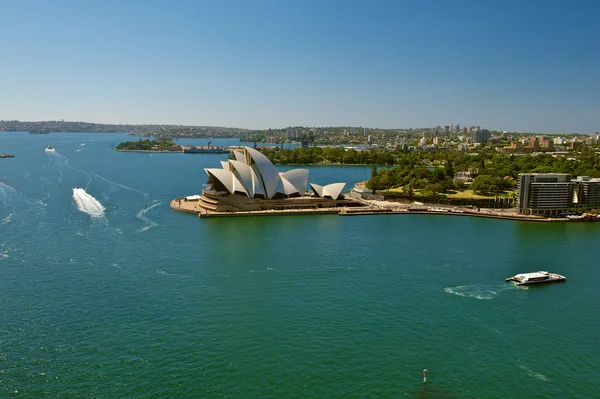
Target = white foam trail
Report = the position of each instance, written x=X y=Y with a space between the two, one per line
x=7 y=190
x=141 y=215
x=119 y=185
x=7 y=219
x=533 y=374
x=472 y=291
x=66 y=161
x=159 y=271
x=88 y=204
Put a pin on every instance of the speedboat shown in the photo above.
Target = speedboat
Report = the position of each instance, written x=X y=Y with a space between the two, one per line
x=49 y=147
x=541 y=277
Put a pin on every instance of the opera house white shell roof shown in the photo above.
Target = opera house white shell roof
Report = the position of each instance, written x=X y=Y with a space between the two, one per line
x=253 y=175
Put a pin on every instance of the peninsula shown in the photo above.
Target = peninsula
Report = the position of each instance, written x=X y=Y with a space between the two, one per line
x=166 y=146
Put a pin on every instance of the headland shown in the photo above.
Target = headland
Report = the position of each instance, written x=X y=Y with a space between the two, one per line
x=250 y=185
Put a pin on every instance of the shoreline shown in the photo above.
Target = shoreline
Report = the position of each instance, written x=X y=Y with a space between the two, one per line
x=152 y=151
x=191 y=207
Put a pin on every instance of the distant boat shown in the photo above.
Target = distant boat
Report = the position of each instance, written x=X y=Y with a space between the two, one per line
x=6 y=156
x=49 y=147
x=541 y=277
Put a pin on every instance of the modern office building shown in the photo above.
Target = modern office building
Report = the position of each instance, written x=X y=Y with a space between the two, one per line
x=545 y=194
x=480 y=135
x=587 y=192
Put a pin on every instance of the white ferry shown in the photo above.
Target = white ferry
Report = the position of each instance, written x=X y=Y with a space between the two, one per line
x=541 y=277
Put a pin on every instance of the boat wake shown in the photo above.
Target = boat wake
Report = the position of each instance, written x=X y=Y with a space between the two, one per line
x=65 y=160
x=119 y=185
x=6 y=220
x=533 y=374
x=142 y=216
x=88 y=204
x=476 y=291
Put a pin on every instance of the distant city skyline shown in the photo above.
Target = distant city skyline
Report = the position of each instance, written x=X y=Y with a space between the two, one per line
x=511 y=66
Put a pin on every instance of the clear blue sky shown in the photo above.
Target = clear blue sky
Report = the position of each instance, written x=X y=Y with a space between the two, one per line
x=506 y=65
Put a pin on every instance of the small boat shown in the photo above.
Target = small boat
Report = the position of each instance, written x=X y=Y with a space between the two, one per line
x=541 y=277
x=49 y=147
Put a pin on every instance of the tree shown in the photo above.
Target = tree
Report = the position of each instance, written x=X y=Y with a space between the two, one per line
x=431 y=190
x=449 y=169
x=373 y=171
x=486 y=185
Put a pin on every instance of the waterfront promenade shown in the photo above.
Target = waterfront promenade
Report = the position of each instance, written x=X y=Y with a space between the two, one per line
x=371 y=208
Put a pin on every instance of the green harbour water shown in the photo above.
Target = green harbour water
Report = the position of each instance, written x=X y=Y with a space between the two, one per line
x=140 y=301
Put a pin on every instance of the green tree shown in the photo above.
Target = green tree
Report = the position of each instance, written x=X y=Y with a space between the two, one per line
x=432 y=189
x=486 y=185
x=449 y=169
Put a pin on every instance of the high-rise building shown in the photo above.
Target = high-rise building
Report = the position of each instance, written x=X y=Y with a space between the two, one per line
x=544 y=194
x=480 y=135
x=447 y=130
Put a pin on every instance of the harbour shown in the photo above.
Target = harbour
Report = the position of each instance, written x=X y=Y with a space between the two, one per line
x=323 y=306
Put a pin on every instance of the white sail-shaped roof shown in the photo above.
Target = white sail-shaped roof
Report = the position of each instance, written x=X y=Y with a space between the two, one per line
x=227 y=179
x=244 y=174
x=298 y=177
x=238 y=186
x=288 y=188
x=317 y=189
x=257 y=184
x=266 y=171
x=333 y=190
x=239 y=156
x=252 y=174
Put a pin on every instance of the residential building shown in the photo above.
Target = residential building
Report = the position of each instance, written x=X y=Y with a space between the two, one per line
x=544 y=194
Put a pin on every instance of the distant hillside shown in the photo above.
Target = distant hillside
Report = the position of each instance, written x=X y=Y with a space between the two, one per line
x=140 y=130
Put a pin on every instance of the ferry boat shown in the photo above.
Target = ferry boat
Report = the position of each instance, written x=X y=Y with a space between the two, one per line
x=541 y=277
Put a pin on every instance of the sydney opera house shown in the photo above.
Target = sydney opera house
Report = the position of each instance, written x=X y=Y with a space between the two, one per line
x=250 y=182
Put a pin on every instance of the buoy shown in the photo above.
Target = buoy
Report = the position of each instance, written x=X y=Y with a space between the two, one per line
x=424 y=376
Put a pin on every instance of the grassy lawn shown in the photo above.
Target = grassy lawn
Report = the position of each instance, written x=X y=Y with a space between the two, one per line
x=463 y=194
x=469 y=194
